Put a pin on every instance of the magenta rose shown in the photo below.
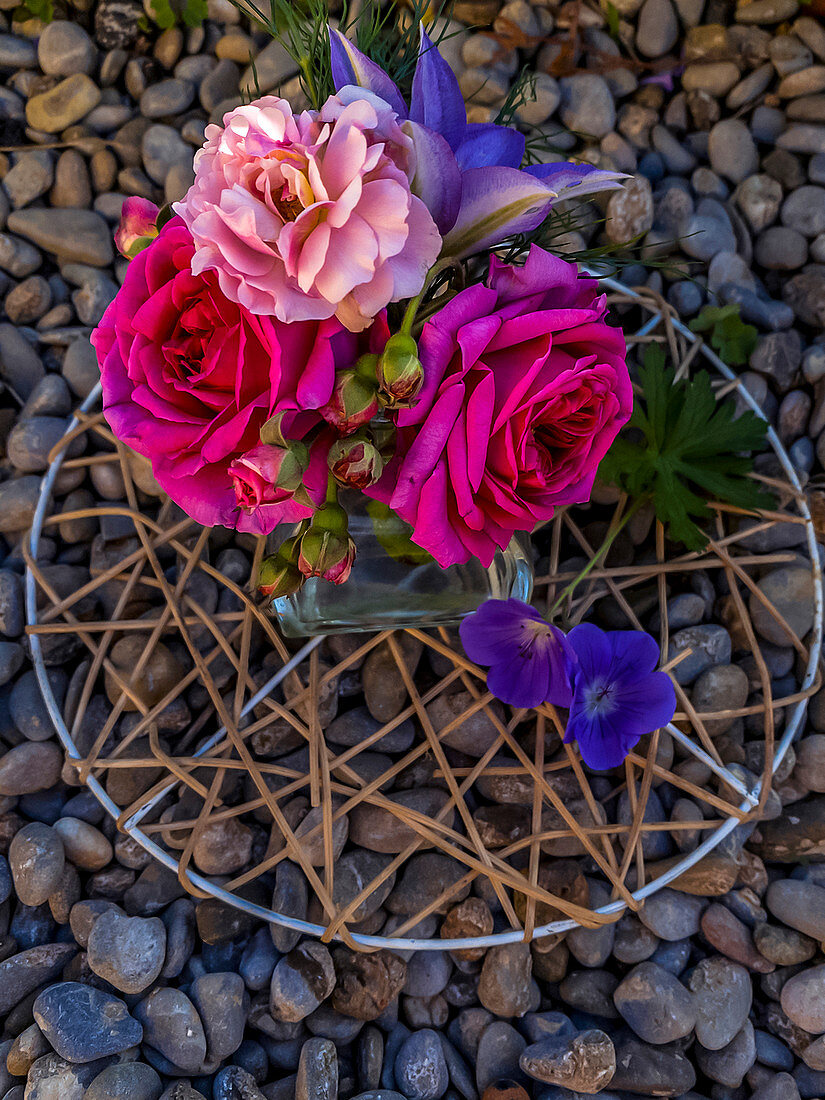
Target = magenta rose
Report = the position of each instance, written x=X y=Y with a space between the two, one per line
x=189 y=378
x=525 y=388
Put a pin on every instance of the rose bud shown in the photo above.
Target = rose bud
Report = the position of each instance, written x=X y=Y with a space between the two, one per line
x=355 y=461
x=354 y=402
x=326 y=550
x=137 y=227
x=400 y=374
x=267 y=474
x=279 y=574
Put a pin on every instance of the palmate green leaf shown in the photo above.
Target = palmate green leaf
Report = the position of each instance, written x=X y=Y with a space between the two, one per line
x=729 y=335
x=682 y=448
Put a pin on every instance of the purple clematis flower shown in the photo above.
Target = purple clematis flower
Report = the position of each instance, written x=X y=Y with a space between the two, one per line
x=468 y=174
x=618 y=695
x=530 y=661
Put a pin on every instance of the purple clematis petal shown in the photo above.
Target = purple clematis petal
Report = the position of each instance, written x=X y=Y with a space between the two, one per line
x=350 y=66
x=570 y=180
x=486 y=144
x=437 y=179
x=436 y=101
x=496 y=203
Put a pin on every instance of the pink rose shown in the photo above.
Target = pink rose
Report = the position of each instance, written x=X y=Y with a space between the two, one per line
x=311 y=216
x=525 y=388
x=190 y=377
x=137 y=226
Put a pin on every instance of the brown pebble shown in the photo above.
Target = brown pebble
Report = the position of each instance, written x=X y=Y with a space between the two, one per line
x=85 y=845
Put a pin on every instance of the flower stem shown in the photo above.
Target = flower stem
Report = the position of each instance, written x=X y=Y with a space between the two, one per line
x=599 y=556
x=412 y=308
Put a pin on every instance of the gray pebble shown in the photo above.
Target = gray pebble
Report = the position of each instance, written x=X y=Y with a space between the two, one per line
x=420 y=1068
x=655 y=1004
x=83 y=1023
x=709 y=645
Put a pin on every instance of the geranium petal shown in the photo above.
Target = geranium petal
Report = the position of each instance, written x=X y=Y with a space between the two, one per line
x=592 y=650
x=601 y=743
x=521 y=682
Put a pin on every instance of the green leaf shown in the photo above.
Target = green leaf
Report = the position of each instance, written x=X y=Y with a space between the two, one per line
x=41 y=9
x=729 y=335
x=611 y=13
x=162 y=13
x=164 y=214
x=394 y=535
x=682 y=448
x=194 y=12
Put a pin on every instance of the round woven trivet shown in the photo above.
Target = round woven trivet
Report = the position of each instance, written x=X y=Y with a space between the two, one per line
x=189 y=749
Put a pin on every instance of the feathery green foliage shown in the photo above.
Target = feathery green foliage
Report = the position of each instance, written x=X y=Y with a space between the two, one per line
x=683 y=448
x=301 y=26
x=522 y=90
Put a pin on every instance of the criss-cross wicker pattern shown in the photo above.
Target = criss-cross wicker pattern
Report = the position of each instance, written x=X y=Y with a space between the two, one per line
x=191 y=780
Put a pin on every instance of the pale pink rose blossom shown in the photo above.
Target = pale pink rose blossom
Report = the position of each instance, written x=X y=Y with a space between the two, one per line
x=310 y=216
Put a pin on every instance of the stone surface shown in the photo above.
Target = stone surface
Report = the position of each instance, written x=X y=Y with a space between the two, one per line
x=585 y=1062
x=127 y=951
x=83 y=1023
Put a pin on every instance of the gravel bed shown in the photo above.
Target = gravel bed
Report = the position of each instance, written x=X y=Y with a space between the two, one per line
x=115 y=985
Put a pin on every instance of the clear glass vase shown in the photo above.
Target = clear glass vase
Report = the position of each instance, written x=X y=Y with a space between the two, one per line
x=393 y=584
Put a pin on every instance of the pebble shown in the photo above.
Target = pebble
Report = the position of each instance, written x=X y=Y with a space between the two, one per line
x=420 y=1069
x=504 y=986
x=36 y=859
x=729 y=1065
x=168 y=97
x=83 y=1023
x=84 y=845
x=301 y=981
x=587 y=104
x=128 y=1081
x=29 y=767
x=804 y=210
x=74 y=235
x=709 y=645
x=221 y=1001
x=172 y=1026
x=65 y=49
x=652 y=1071
x=800 y=905
x=671 y=915
x=499 y=1049
x=27 y=970
x=722 y=997
x=732 y=150
x=317 y=1071
x=790 y=590
x=655 y=1004
x=126 y=951
x=803 y=999
x=63 y=105
x=585 y=1062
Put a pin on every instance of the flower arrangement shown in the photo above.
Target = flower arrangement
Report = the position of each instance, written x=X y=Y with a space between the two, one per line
x=349 y=297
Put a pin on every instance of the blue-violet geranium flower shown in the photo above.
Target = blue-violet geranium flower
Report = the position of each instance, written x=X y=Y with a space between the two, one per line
x=618 y=694
x=530 y=660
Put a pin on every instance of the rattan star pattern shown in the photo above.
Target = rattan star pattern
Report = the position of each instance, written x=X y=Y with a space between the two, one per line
x=188 y=764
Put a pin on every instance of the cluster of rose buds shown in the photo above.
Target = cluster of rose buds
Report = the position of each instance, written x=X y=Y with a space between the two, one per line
x=356 y=459
x=321 y=548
